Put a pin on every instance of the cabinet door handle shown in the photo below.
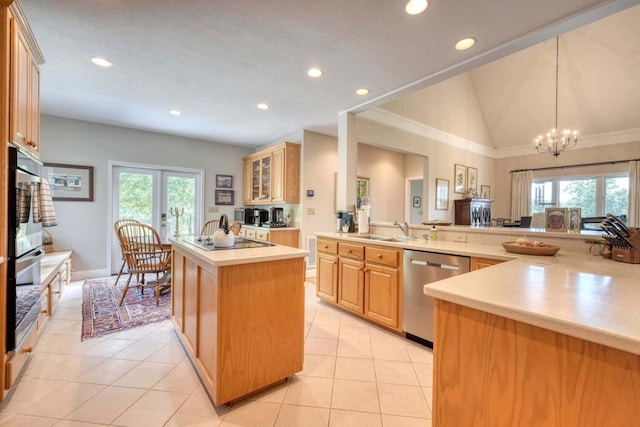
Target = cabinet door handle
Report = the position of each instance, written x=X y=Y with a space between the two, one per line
x=44 y=311
x=27 y=350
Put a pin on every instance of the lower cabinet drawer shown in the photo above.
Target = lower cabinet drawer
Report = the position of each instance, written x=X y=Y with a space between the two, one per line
x=382 y=256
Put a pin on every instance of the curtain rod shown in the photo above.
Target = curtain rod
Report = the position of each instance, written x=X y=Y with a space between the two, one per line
x=576 y=166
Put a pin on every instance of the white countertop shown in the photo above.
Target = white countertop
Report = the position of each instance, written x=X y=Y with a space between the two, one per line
x=224 y=257
x=573 y=293
x=257 y=227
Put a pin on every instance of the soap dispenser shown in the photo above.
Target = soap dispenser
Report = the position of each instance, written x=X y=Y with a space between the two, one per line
x=433 y=233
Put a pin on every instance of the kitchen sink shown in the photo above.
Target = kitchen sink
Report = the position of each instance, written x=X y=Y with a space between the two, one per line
x=385 y=238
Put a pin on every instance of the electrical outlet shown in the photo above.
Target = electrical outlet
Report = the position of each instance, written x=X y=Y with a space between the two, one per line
x=462 y=238
x=214 y=209
x=311 y=211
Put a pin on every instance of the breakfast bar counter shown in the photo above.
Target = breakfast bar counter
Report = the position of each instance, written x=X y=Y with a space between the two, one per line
x=240 y=315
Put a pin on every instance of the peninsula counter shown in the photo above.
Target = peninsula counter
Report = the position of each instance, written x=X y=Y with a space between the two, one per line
x=240 y=315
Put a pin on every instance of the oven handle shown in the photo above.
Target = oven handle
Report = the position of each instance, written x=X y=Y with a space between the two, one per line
x=23 y=176
x=27 y=261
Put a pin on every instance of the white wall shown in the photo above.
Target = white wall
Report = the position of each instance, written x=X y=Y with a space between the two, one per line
x=82 y=226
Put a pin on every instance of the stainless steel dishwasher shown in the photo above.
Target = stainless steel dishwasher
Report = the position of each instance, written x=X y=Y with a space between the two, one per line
x=421 y=268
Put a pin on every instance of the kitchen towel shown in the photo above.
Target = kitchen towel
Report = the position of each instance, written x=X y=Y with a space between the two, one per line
x=43 y=207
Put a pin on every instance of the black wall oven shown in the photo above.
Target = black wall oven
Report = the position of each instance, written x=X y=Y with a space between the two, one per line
x=25 y=250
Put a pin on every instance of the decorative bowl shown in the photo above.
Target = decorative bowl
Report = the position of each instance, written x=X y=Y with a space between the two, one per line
x=548 y=250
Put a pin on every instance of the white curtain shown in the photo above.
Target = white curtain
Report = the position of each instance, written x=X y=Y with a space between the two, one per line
x=633 y=219
x=521 y=194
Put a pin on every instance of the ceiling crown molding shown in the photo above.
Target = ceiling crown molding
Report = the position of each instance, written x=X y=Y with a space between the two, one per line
x=399 y=122
x=25 y=29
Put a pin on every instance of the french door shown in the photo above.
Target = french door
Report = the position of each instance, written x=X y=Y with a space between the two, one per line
x=158 y=196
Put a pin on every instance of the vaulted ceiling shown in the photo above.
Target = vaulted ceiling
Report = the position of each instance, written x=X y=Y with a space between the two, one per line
x=215 y=60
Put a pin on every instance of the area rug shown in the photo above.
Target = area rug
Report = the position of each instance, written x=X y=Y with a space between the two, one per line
x=102 y=315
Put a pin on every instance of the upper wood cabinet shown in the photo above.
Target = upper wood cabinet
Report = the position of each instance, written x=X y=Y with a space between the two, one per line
x=24 y=84
x=272 y=175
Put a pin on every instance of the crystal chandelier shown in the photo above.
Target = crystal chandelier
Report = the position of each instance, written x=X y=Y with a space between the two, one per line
x=554 y=141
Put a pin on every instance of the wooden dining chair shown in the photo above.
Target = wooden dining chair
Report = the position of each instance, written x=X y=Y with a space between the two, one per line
x=116 y=225
x=236 y=226
x=145 y=253
x=209 y=227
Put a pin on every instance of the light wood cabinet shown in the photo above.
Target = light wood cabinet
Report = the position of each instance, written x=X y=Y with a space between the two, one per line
x=272 y=175
x=477 y=263
x=368 y=280
x=24 y=90
x=327 y=270
x=351 y=277
x=279 y=236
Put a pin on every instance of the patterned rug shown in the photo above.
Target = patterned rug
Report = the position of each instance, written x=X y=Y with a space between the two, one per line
x=101 y=314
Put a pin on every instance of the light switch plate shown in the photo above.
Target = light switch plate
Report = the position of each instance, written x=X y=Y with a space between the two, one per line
x=214 y=209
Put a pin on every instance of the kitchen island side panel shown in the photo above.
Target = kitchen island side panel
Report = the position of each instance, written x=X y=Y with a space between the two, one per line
x=493 y=371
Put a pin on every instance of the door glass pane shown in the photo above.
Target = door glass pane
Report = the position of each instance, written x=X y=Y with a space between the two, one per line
x=541 y=195
x=181 y=198
x=255 y=180
x=136 y=197
x=616 y=195
x=579 y=193
x=266 y=178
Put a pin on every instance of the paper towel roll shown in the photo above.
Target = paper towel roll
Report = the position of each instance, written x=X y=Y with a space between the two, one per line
x=363 y=222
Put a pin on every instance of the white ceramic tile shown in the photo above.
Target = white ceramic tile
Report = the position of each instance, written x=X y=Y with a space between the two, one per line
x=154 y=408
x=144 y=375
x=342 y=418
x=389 y=351
x=197 y=411
x=397 y=421
x=309 y=391
x=62 y=326
x=62 y=401
x=323 y=331
x=181 y=379
x=70 y=423
x=322 y=346
x=355 y=396
x=71 y=367
x=171 y=352
x=424 y=371
x=355 y=333
x=349 y=321
x=428 y=394
x=392 y=372
x=106 y=347
x=12 y=420
x=139 y=350
x=419 y=353
x=355 y=348
x=349 y=368
x=27 y=391
x=317 y=365
x=403 y=400
x=252 y=413
x=293 y=415
x=273 y=394
x=106 y=406
x=107 y=372
x=380 y=335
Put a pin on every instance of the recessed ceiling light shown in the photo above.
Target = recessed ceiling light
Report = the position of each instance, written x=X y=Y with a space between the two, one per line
x=101 y=62
x=175 y=113
x=263 y=106
x=362 y=91
x=314 y=72
x=415 y=7
x=465 y=44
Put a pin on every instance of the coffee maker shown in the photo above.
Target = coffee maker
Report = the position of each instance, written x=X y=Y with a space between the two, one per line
x=260 y=216
x=276 y=216
x=344 y=222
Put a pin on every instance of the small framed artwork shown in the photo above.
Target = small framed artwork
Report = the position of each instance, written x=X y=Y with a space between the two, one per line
x=417 y=201
x=362 y=192
x=485 y=191
x=224 y=181
x=224 y=197
x=71 y=183
x=472 y=180
x=459 y=179
x=574 y=220
x=556 y=219
x=442 y=194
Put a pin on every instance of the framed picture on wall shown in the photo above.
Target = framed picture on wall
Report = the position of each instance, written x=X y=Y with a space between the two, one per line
x=459 y=179
x=71 y=183
x=472 y=180
x=224 y=197
x=362 y=192
x=442 y=194
x=417 y=201
x=224 y=181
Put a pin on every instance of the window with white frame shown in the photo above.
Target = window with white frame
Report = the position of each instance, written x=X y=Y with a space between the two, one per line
x=595 y=195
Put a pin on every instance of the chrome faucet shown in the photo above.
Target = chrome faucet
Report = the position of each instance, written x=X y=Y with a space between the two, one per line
x=404 y=228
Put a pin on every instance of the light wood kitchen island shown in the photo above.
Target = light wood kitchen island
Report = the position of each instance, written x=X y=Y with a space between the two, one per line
x=240 y=315
x=549 y=341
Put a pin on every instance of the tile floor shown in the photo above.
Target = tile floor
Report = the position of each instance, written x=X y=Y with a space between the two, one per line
x=354 y=374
